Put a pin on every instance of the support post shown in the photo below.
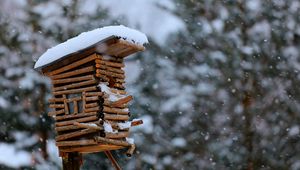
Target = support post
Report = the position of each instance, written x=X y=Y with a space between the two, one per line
x=72 y=161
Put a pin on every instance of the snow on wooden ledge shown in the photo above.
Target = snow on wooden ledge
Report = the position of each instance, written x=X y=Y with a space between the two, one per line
x=87 y=39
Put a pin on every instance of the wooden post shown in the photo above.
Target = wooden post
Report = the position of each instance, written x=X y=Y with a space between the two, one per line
x=72 y=161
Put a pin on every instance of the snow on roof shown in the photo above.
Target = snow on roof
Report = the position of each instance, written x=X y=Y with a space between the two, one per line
x=90 y=38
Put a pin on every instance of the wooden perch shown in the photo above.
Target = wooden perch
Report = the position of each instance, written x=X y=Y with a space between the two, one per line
x=122 y=101
x=73 y=73
x=70 y=122
x=130 y=150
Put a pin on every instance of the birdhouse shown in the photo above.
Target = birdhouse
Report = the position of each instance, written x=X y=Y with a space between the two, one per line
x=90 y=102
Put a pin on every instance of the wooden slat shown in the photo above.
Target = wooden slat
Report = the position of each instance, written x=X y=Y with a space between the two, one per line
x=74 y=99
x=120 y=86
x=73 y=79
x=75 y=104
x=69 y=127
x=57 y=106
x=54 y=100
x=92 y=105
x=92 y=98
x=115 y=117
x=73 y=116
x=73 y=73
x=112 y=141
x=91 y=149
x=75 y=90
x=109 y=63
x=83 y=100
x=116 y=135
x=93 y=109
x=88 y=126
x=75 y=85
x=93 y=93
x=109 y=73
x=53 y=113
x=70 y=122
x=115 y=110
x=111 y=69
x=77 y=143
x=74 y=134
x=73 y=65
x=102 y=77
x=122 y=101
x=66 y=104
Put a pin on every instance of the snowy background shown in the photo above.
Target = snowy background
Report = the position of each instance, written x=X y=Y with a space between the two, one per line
x=217 y=87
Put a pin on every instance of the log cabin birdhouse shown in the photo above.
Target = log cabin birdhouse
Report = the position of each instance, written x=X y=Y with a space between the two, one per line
x=90 y=103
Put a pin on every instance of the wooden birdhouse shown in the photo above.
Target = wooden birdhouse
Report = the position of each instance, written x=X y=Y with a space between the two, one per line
x=90 y=103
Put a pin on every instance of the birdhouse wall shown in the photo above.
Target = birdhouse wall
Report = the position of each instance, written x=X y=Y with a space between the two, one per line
x=82 y=104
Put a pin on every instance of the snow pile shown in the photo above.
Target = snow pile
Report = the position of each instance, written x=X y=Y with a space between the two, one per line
x=107 y=128
x=130 y=140
x=87 y=39
x=125 y=125
x=111 y=96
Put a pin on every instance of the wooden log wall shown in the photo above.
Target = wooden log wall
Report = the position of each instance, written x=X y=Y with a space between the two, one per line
x=80 y=108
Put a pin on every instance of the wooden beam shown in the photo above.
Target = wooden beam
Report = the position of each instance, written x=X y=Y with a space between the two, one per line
x=87 y=126
x=122 y=101
x=73 y=73
x=77 y=143
x=109 y=73
x=93 y=109
x=109 y=63
x=70 y=122
x=112 y=141
x=54 y=113
x=115 y=110
x=92 y=98
x=75 y=90
x=111 y=69
x=73 y=116
x=90 y=149
x=69 y=127
x=93 y=93
x=116 y=135
x=66 y=104
x=75 y=85
x=115 y=117
x=73 y=65
x=74 y=134
x=90 y=105
x=73 y=79
x=57 y=106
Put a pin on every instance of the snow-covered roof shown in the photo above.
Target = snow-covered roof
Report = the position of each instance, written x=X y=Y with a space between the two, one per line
x=88 y=39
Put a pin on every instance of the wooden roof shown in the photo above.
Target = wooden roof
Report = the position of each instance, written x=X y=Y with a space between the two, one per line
x=113 y=46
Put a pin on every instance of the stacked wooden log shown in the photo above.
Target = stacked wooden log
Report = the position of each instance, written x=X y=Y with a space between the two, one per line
x=90 y=105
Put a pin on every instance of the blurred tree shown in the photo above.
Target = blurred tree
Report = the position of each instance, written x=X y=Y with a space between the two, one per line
x=222 y=92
